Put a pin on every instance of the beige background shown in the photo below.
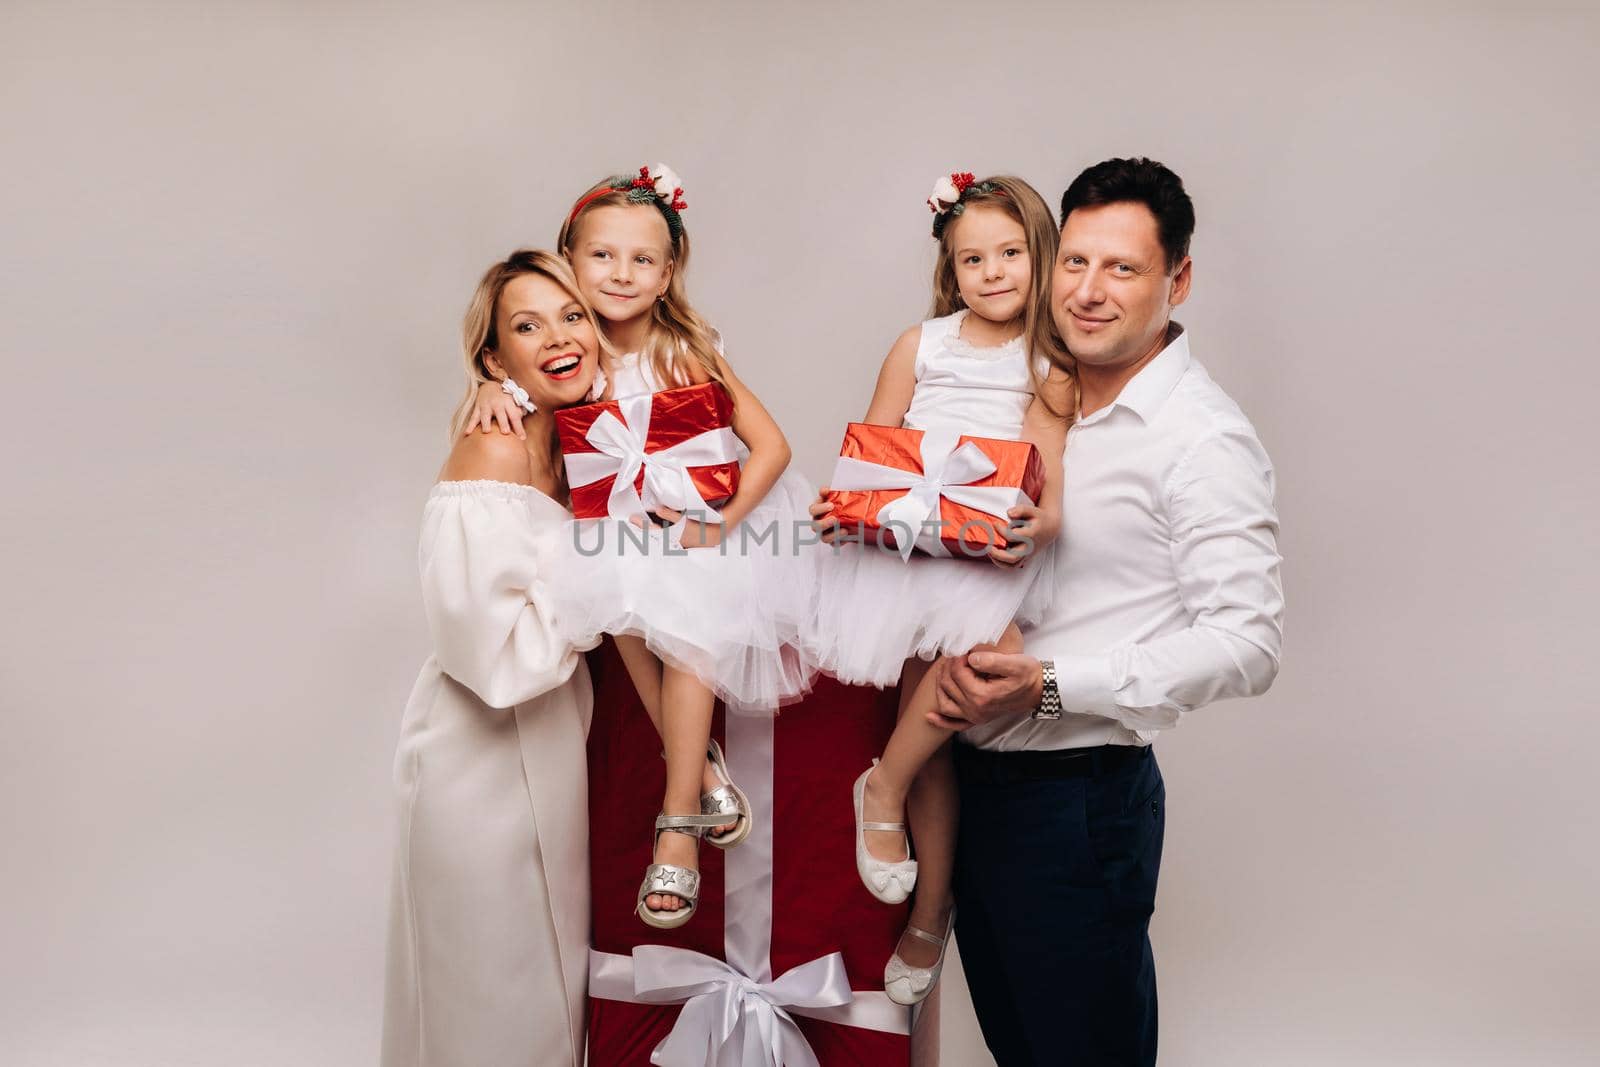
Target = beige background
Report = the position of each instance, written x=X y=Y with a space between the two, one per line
x=237 y=243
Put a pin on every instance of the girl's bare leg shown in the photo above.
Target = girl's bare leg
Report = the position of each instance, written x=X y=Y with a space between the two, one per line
x=889 y=784
x=932 y=802
x=686 y=727
x=646 y=672
x=934 y=810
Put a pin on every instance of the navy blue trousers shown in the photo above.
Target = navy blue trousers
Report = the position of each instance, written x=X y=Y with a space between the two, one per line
x=1055 y=886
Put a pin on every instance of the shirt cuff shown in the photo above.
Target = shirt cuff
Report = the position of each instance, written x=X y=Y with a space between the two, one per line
x=1085 y=685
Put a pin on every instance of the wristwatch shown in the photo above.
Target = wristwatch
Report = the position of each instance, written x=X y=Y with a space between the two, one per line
x=1049 y=696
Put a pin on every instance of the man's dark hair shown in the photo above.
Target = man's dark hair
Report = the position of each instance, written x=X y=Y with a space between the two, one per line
x=1138 y=181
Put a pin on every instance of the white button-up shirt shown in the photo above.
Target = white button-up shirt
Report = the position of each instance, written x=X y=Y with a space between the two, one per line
x=1168 y=594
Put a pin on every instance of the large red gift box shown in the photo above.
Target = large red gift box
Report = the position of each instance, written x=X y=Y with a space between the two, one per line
x=780 y=916
x=673 y=449
x=892 y=484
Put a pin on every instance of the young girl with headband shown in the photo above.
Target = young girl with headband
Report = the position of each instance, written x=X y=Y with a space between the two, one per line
x=702 y=605
x=988 y=364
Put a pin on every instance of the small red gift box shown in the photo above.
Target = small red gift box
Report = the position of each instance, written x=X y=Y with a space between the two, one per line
x=785 y=939
x=893 y=486
x=673 y=449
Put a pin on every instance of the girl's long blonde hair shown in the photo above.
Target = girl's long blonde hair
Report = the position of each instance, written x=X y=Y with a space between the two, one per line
x=1023 y=203
x=478 y=331
x=678 y=335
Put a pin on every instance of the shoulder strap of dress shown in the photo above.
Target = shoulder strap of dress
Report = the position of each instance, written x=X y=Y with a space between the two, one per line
x=935 y=332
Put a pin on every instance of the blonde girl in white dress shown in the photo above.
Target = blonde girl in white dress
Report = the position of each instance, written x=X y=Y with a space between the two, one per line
x=488 y=941
x=989 y=365
x=705 y=609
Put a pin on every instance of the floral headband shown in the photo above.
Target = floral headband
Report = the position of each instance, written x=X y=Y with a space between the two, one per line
x=949 y=192
x=656 y=185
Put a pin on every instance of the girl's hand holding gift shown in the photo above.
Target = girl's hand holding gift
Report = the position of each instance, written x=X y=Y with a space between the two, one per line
x=694 y=534
x=822 y=518
x=1032 y=528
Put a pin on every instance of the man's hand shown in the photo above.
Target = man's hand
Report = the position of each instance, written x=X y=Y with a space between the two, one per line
x=981 y=686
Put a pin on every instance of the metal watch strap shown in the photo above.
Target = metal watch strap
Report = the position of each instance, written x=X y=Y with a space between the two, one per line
x=1049 y=696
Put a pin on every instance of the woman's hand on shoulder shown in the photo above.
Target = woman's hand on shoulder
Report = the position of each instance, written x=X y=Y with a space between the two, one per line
x=494 y=457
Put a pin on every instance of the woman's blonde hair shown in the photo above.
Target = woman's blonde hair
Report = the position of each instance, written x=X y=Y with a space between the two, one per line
x=1021 y=202
x=677 y=333
x=479 y=334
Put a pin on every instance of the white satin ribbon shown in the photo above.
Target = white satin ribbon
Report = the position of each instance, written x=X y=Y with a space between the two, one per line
x=947 y=472
x=620 y=451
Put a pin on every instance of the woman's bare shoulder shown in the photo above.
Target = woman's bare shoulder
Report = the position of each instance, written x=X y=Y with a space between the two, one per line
x=488 y=456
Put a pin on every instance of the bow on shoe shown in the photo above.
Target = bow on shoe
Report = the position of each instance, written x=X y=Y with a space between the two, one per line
x=903 y=875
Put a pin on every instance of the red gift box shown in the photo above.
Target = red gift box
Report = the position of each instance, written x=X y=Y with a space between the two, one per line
x=673 y=449
x=891 y=485
x=776 y=915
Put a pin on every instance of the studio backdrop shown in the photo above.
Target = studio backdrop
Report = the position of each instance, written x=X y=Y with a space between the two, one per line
x=238 y=240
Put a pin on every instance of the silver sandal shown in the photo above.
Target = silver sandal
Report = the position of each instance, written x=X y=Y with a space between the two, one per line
x=668 y=878
x=725 y=800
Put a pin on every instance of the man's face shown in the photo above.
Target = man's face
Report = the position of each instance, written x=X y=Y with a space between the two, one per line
x=1111 y=295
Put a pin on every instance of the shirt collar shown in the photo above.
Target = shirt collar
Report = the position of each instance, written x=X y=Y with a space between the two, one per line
x=1148 y=390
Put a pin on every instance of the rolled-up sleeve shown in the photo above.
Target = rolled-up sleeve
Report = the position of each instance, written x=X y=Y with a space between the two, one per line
x=480 y=557
x=1224 y=543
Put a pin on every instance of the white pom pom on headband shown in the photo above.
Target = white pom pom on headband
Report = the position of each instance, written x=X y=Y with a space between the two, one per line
x=948 y=193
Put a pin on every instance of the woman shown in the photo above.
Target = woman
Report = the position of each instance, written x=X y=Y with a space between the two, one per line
x=488 y=944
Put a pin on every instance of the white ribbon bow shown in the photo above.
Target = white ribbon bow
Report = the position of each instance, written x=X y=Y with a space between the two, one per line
x=620 y=450
x=905 y=877
x=728 y=1018
x=947 y=472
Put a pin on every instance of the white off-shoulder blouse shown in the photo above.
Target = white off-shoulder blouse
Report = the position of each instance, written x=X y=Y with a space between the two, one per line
x=480 y=554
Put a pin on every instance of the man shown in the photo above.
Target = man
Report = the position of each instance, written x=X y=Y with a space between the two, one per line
x=1168 y=597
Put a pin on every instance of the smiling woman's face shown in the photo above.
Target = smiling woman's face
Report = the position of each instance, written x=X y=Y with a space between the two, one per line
x=622 y=256
x=545 y=341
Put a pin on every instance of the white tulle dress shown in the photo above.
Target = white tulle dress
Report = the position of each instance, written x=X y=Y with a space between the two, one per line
x=733 y=614
x=875 y=610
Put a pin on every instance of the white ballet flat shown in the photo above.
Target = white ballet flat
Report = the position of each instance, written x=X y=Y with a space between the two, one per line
x=725 y=800
x=891 y=881
x=910 y=985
